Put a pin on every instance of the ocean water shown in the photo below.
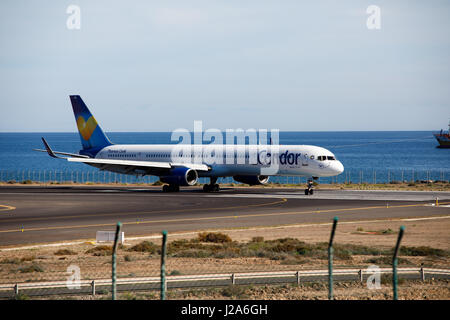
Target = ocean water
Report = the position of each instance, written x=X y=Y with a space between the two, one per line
x=368 y=156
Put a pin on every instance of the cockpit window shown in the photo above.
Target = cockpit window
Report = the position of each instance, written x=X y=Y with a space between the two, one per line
x=323 y=158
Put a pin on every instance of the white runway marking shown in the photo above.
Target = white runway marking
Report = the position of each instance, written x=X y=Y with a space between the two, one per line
x=346 y=195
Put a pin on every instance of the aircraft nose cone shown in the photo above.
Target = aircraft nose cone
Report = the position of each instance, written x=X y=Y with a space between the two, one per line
x=339 y=167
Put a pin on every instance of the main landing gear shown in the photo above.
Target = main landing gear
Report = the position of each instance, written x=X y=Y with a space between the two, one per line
x=310 y=187
x=171 y=188
x=212 y=186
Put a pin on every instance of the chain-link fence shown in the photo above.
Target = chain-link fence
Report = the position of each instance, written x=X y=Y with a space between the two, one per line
x=355 y=176
x=211 y=265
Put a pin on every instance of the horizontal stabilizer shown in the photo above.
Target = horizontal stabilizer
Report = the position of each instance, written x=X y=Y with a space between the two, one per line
x=53 y=154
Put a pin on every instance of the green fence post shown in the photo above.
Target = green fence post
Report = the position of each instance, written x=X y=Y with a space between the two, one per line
x=114 y=256
x=163 y=265
x=330 y=260
x=395 y=262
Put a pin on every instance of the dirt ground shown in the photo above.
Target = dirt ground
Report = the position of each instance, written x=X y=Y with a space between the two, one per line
x=45 y=264
x=409 y=290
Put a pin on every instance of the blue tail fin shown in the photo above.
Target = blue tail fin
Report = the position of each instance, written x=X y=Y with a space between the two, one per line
x=92 y=136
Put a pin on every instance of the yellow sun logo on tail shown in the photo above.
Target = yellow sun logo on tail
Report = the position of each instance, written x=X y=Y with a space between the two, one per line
x=86 y=128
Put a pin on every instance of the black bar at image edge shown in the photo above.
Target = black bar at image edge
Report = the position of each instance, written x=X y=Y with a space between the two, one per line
x=219 y=309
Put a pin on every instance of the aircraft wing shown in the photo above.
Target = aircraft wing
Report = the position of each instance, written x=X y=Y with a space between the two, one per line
x=124 y=166
x=139 y=167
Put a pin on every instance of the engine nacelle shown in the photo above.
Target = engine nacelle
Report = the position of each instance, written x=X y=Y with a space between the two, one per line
x=181 y=177
x=252 y=180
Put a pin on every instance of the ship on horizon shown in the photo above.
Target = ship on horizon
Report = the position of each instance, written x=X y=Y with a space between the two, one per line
x=443 y=138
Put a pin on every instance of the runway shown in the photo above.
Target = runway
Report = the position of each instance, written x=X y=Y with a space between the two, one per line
x=30 y=215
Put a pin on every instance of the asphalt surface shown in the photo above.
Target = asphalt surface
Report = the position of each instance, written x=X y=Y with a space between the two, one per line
x=30 y=215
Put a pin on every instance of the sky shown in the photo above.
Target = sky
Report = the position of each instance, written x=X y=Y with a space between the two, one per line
x=289 y=65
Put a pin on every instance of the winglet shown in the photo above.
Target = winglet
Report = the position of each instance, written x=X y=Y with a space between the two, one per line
x=49 y=150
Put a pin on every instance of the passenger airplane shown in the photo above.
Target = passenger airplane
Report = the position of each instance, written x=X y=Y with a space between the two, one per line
x=250 y=164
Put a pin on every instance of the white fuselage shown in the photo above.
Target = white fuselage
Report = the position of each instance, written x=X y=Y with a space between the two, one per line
x=232 y=160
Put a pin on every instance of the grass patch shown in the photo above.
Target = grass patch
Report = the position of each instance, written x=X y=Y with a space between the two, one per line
x=359 y=250
x=29 y=269
x=234 y=291
x=387 y=260
x=194 y=253
x=100 y=251
x=423 y=251
x=11 y=261
x=195 y=249
x=174 y=273
x=386 y=279
x=280 y=249
x=214 y=237
x=128 y=296
x=287 y=250
x=27 y=258
x=65 y=252
x=21 y=296
x=145 y=246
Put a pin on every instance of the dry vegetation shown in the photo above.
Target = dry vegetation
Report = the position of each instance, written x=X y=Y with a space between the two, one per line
x=431 y=289
x=217 y=252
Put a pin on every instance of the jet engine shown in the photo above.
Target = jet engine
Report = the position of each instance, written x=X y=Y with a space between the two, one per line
x=181 y=176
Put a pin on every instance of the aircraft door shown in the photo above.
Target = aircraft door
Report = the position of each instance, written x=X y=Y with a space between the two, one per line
x=304 y=160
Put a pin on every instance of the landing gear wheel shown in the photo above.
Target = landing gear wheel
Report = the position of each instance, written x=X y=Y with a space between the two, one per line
x=171 y=188
x=211 y=188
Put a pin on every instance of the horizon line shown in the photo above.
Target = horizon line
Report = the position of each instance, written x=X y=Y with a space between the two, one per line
x=434 y=130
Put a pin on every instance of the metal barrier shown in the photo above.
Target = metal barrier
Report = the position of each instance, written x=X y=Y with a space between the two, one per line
x=230 y=278
x=351 y=175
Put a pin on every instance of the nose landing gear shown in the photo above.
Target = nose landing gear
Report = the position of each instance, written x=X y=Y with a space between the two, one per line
x=309 y=188
x=171 y=188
